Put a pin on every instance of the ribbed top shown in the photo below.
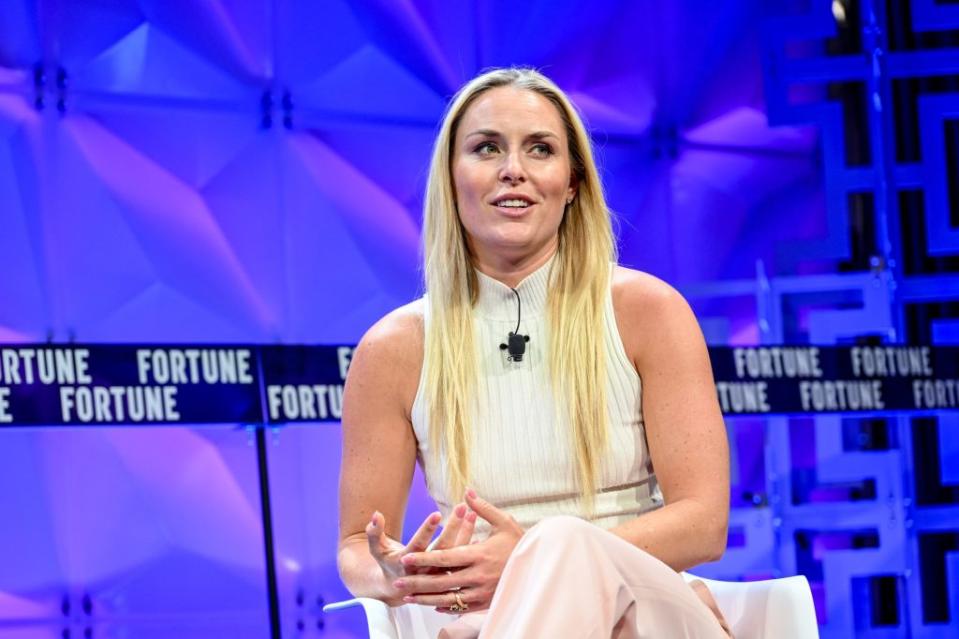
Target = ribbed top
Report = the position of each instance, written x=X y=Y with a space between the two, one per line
x=521 y=458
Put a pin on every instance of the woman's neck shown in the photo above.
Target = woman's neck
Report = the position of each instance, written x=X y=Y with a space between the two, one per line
x=512 y=270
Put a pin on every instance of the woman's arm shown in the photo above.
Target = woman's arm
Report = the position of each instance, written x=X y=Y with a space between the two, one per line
x=379 y=452
x=684 y=424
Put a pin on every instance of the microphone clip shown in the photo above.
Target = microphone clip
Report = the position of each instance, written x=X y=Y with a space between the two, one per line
x=516 y=346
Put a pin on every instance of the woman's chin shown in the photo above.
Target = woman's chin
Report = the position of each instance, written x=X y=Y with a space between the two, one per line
x=512 y=246
x=512 y=242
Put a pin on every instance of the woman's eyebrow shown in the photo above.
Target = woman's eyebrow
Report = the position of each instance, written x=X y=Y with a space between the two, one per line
x=486 y=133
x=490 y=133
x=539 y=135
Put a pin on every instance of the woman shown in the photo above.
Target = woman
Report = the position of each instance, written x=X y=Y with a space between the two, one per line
x=539 y=382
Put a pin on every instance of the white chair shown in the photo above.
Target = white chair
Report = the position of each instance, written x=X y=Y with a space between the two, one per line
x=776 y=608
x=379 y=622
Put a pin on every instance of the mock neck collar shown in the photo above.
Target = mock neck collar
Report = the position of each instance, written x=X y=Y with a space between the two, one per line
x=497 y=301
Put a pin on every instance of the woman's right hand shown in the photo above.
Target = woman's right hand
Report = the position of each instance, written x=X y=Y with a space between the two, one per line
x=388 y=552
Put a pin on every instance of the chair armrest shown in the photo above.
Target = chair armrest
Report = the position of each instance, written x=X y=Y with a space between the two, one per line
x=378 y=620
x=781 y=608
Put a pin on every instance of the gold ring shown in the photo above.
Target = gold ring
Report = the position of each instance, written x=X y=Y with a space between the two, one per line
x=460 y=605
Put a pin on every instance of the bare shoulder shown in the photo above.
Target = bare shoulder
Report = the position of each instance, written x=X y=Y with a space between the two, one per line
x=632 y=289
x=650 y=313
x=644 y=300
x=398 y=334
x=389 y=356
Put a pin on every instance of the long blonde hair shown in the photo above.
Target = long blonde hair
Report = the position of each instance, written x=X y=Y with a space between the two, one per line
x=575 y=302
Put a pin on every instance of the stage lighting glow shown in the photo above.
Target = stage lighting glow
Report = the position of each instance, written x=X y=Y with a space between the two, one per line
x=839 y=12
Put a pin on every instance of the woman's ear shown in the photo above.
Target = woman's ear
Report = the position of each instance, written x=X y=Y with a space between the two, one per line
x=573 y=188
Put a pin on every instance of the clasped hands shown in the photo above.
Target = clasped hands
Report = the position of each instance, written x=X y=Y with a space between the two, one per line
x=454 y=571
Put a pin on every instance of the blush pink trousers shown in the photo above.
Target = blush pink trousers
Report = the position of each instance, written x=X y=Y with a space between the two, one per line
x=570 y=578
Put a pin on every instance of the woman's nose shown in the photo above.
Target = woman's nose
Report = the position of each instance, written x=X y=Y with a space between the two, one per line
x=512 y=169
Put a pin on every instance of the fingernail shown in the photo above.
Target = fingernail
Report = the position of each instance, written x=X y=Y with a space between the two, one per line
x=408 y=599
x=471 y=493
x=399 y=583
x=436 y=518
x=373 y=517
x=406 y=560
x=471 y=516
x=460 y=510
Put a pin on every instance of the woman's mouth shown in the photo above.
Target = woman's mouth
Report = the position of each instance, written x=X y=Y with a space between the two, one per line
x=512 y=205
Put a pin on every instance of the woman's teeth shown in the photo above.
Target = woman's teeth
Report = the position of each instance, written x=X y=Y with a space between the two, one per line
x=519 y=204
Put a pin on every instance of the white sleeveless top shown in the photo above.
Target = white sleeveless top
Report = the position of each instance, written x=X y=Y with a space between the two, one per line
x=520 y=459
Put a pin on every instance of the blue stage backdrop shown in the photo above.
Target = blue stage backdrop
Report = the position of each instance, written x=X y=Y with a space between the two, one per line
x=251 y=172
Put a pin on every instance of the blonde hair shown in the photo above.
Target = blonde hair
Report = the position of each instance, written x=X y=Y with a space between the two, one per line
x=575 y=302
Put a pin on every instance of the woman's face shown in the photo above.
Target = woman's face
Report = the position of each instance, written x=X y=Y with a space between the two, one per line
x=511 y=172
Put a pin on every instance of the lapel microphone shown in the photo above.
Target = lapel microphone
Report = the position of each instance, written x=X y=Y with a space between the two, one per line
x=516 y=343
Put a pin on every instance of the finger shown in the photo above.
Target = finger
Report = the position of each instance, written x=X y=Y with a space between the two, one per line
x=487 y=511
x=465 y=534
x=450 y=558
x=425 y=583
x=451 y=530
x=374 y=533
x=446 y=600
x=421 y=538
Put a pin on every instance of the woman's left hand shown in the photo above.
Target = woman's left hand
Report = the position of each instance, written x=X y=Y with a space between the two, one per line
x=471 y=571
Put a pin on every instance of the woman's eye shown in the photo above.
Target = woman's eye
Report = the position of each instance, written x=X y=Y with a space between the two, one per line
x=542 y=149
x=485 y=148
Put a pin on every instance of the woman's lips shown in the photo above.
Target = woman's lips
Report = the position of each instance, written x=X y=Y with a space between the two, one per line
x=514 y=211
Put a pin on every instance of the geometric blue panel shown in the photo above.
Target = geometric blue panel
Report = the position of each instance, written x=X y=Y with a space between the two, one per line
x=935 y=111
x=20 y=44
x=934 y=15
x=146 y=62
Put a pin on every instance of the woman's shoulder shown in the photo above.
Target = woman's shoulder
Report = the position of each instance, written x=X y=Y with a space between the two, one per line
x=649 y=312
x=386 y=363
x=635 y=290
x=398 y=335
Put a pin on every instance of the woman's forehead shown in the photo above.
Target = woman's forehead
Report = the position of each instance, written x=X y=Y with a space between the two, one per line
x=509 y=109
